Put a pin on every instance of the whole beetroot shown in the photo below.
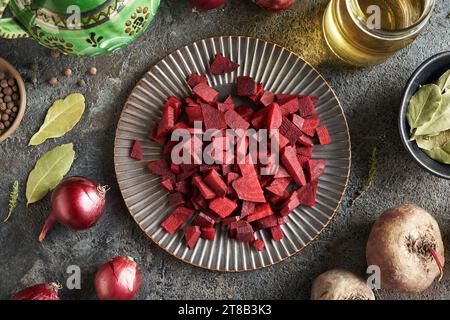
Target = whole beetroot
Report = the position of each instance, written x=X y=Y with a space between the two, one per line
x=406 y=244
x=43 y=291
x=339 y=284
x=274 y=5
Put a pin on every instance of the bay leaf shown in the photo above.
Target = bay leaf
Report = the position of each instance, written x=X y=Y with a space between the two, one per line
x=432 y=142
x=62 y=116
x=423 y=105
x=441 y=154
x=49 y=171
x=440 y=120
x=444 y=81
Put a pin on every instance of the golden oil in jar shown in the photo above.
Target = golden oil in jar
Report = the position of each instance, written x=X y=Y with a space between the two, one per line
x=365 y=32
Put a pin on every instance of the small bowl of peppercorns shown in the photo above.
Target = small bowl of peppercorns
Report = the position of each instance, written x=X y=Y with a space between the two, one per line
x=12 y=99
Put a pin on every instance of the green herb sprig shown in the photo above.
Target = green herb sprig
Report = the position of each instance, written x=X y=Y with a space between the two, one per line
x=373 y=172
x=13 y=199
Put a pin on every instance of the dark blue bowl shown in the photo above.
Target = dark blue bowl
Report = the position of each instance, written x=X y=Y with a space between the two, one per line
x=428 y=72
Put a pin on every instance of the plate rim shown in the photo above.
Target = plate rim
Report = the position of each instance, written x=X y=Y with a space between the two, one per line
x=332 y=216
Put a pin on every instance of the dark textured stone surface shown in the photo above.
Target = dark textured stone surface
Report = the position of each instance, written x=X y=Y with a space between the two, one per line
x=369 y=96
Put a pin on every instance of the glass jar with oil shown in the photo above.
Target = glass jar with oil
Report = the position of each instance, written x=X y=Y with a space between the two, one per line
x=365 y=32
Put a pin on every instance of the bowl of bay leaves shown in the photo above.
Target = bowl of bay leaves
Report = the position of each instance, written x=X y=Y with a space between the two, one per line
x=425 y=115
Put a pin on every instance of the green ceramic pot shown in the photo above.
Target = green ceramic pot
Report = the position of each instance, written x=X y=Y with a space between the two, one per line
x=78 y=27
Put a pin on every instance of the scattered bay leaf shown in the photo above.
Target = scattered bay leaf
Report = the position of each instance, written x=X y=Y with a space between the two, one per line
x=441 y=154
x=62 y=116
x=49 y=171
x=440 y=120
x=444 y=81
x=432 y=142
x=423 y=105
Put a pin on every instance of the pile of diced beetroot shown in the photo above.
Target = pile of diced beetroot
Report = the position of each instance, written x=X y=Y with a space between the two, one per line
x=236 y=197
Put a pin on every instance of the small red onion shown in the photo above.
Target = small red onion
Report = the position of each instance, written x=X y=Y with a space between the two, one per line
x=274 y=5
x=118 y=279
x=77 y=203
x=203 y=5
x=43 y=291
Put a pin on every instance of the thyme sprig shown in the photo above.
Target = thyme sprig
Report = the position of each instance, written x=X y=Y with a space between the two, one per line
x=13 y=199
x=373 y=171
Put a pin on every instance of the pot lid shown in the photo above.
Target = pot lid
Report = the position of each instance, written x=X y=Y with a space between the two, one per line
x=60 y=6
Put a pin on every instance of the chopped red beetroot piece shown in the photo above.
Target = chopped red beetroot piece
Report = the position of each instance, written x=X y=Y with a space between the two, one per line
x=281 y=172
x=259 y=119
x=186 y=174
x=203 y=220
x=208 y=233
x=199 y=201
x=276 y=199
x=315 y=168
x=246 y=86
x=247 y=208
x=290 y=204
x=152 y=136
x=213 y=118
x=190 y=102
x=223 y=206
x=307 y=194
x=245 y=112
x=289 y=107
x=208 y=167
x=298 y=121
x=222 y=65
x=183 y=187
x=261 y=211
x=194 y=79
x=224 y=107
x=159 y=167
x=311 y=123
x=179 y=216
x=175 y=104
x=167 y=122
x=191 y=235
x=304 y=154
x=278 y=186
x=259 y=92
x=205 y=92
x=293 y=166
x=167 y=184
x=235 y=121
x=136 y=150
x=248 y=188
x=290 y=131
x=194 y=114
x=282 y=141
x=167 y=148
x=323 y=135
x=175 y=199
x=180 y=125
x=231 y=176
x=267 y=222
x=229 y=100
x=175 y=168
x=205 y=191
x=258 y=244
x=245 y=233
x=277 y=233
x=216 y=183
x=267 y=99
x=228 y=221
x=306 y=141
x=274 y=116
x=283 y=220
x=306 y=106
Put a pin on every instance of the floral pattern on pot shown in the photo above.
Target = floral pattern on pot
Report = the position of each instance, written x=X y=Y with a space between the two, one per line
x=79 y=27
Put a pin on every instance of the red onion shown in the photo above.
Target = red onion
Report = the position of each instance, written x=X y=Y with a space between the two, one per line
x=203 y=5
x=43 y=291
x=274 y=5
x=118 y=279
x=77 y=203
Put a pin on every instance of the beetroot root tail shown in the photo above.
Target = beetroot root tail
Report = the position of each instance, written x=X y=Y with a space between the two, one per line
x=47 y=226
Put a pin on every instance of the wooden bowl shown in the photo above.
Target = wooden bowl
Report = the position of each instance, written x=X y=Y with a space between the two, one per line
x=10 y=71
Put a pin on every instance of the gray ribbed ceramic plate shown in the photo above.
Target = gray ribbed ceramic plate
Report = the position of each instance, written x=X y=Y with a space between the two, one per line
x=281 y=71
